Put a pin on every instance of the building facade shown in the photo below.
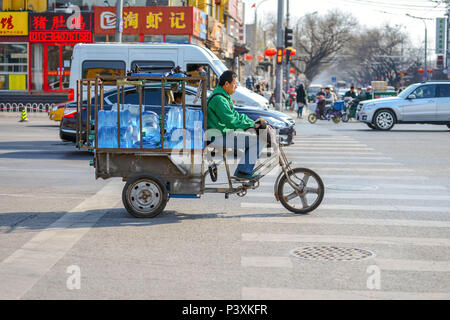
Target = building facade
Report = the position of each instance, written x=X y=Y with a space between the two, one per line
x=37 y=37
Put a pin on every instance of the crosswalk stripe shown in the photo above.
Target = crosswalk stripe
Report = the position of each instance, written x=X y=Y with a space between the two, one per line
x=345 y=145
x=304 y=238
x=343 y=163
x=255 y=293
x=266 y=262
x=383 y=264
x=344 y=207
x=375 y=186
x=349 y=221
x=343 y=158
x=26 y=266
x=413 y=265
x=357 y=195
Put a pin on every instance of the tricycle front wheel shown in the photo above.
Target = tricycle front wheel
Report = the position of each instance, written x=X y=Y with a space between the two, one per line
x=144 y=197
x=307 y=194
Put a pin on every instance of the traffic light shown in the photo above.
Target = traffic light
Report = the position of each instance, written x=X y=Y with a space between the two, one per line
x=288 y=37
x=279 y=56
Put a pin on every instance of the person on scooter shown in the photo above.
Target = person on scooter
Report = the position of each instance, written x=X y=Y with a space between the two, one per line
x=321 y=105
x=351 y=93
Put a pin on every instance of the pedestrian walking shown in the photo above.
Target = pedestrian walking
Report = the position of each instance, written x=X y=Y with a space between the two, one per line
x=301 y=99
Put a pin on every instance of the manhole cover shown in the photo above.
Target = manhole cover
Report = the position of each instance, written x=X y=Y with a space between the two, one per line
x=343 y=187
x=325 y=253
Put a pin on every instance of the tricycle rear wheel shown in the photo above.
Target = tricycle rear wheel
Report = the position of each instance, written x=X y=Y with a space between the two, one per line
x=310 y=191
x=144 y=197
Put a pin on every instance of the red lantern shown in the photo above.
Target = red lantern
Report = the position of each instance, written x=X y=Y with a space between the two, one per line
x=430 y=70
x=260 y=58
x=292 y=70
x=420 y=70
x=293 y=51
x=248 y=57
x=270 y=52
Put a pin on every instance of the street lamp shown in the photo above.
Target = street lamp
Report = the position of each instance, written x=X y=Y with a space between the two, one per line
x=426 y=40
x=256 y=24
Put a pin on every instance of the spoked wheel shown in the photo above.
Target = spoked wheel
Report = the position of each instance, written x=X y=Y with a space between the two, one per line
x=312 y=118
x=144 y=197
x=308 y=192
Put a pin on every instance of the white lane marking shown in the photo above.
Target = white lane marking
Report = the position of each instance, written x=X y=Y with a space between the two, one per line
x=379 y=186
x=303 y=238
x=45 y=170
x=255 y=293
x=344 y=163
x=330 y=148
x=266 y=262
x=367 y=177
x=41 y=196
x=345 y=207
x=25 y=267
x=384 y=264
x=356 y=196
x=413 y=265
x=350 y=221
x=339 y=144
x=334 y=152
x=343 y=158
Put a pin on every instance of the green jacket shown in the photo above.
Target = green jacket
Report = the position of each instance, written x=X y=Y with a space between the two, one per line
x=222 y=116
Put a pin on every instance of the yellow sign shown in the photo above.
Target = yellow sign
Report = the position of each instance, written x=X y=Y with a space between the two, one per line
x=13 y=23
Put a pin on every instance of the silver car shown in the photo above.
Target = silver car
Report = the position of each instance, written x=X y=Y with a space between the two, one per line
x=426 y=102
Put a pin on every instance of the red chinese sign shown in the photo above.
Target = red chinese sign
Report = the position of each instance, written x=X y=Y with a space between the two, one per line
x=60 y=27
x=149 y=20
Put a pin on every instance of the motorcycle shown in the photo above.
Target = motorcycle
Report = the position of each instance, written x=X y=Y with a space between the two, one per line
x=334 y=112
x=350 y=109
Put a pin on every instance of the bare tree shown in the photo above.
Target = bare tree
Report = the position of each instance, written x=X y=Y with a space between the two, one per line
x=380 y=54
x=318 y=39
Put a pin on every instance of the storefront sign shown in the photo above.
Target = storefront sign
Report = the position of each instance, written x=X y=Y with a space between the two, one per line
x=214 y=32
x=60 y=27
x=150 y=20
x=13 y=23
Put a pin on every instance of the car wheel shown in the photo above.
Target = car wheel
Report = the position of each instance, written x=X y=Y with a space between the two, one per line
x=384 y=120
x=371 y=126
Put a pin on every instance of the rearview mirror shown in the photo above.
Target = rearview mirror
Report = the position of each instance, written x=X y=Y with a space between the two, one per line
x=411 y=97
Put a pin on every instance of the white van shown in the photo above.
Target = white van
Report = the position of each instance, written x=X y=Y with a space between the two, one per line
x=118 y=58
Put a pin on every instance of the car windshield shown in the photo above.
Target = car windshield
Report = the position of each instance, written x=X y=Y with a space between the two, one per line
x=405 y=93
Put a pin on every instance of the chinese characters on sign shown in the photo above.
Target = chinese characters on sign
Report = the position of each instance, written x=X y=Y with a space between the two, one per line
x=13 y=23
x=60 y=27
x=150 y=20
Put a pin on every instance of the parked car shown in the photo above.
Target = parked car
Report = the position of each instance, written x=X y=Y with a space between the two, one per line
x=56 y=112
x=426 y=102
x=67 y=129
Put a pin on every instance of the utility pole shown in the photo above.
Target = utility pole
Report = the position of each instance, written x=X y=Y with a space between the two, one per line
x=119 y=20
x=279 y=68
x=287 y=62
x=447 y=57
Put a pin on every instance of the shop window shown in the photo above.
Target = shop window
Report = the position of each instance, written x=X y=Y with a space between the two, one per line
x=153 y=38
x=13 y=66
x=153 y=66
x=92 y=68
x=177 y=39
